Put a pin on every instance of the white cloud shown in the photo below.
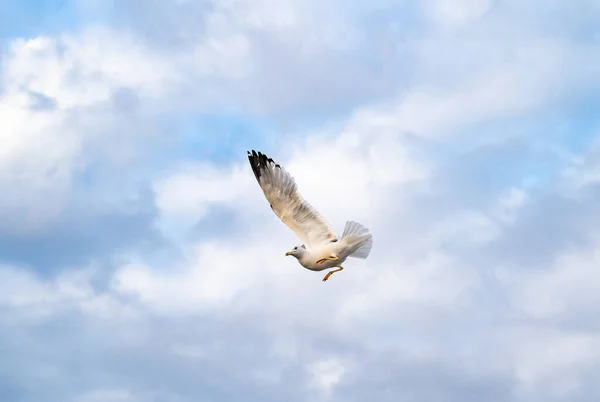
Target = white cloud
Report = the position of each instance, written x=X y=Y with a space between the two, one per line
x=107 y=395
x=216 y=275
x=551 y=362
x=326 y=374
x=85 y=70
x=498 y=90
x=42 y=150
x=185 y=196
x=457 y=13
x=421 y=294
x=567 y=288
x=36 y=298
x=22 y=288
x=509 y=204
x=81 y=70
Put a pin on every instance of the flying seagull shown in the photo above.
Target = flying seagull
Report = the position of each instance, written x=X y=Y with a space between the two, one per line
x=321 y=248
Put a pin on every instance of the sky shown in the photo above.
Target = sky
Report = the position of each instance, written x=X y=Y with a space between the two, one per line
x=140 y=262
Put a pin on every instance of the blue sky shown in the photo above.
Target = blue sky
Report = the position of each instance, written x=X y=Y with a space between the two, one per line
x=30 y=18
x=139 y=260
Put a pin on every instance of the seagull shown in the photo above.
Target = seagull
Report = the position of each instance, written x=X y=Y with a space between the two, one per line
x=320 y=249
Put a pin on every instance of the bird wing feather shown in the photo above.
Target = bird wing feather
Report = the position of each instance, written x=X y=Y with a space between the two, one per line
x=286 y=202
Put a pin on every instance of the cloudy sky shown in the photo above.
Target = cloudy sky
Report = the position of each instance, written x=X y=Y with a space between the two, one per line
x=140 y=262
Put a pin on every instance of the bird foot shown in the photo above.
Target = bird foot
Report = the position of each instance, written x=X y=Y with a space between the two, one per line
x=331 y=273
x=332 y=258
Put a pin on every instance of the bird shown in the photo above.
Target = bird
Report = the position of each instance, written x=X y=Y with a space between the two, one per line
x=321 y=248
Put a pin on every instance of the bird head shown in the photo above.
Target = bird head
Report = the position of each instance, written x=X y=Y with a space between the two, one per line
x=296 y=251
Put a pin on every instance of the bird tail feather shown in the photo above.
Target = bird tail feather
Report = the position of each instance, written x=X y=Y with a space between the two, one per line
x=358 y=238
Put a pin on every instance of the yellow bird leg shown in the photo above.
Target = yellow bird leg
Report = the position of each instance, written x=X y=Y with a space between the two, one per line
x=331 y=273
x=332 y=258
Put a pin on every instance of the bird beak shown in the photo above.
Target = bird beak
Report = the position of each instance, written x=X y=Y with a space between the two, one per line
x=288 y=253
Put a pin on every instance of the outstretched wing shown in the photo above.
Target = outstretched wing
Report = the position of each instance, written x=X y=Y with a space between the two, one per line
x=281 y=192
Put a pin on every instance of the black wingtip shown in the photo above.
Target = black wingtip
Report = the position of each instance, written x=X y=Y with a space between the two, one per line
x=259 y=161
x=254 y=164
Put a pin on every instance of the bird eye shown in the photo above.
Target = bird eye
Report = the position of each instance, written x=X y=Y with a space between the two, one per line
x=295 y=248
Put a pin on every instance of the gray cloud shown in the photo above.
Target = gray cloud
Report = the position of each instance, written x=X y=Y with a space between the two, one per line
x=41 y=102
x=82 y=234
x=164 y=359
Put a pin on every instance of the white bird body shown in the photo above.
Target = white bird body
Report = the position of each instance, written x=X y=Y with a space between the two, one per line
x=321 y=248
x=308 y=259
